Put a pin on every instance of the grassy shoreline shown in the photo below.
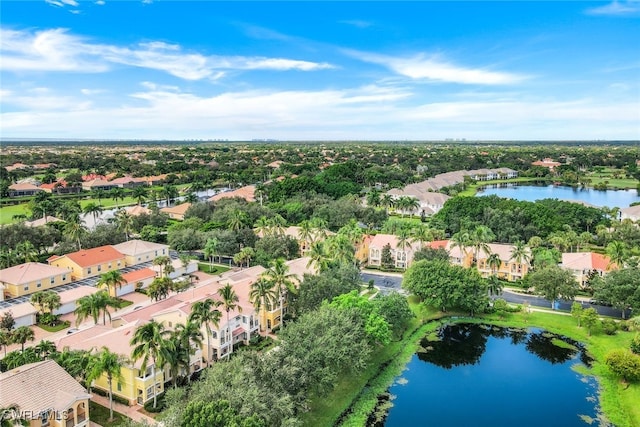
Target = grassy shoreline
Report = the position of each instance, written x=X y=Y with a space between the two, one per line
x=359 y=394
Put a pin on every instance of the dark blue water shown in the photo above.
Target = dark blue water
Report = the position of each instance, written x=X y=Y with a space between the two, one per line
x=479 y=376
x=531 y=193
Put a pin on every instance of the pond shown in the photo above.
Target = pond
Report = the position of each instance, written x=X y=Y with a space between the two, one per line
x=531 y=193
x=478 y=375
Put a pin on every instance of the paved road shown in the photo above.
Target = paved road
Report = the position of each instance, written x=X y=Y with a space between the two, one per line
x=392 y=282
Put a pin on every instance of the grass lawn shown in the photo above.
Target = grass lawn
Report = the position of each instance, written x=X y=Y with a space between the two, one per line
x=56 y=328
x=122 y=303
x=100 y=415
x=7 y=212
x=359 y=391
x=614 y=183
x=215 y=269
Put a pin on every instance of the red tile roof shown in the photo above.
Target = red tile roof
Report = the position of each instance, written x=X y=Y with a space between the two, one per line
x=137 y=275
x=89 y=257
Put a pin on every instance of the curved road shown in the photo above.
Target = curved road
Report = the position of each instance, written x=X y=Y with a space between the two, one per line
x=389 y=282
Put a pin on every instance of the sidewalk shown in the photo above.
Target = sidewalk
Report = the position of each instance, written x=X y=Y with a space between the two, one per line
x=128 y=411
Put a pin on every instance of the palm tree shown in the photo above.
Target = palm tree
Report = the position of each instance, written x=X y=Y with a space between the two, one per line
x=150 y=343
x=318 y=256
x=373 y=198
x=520 y=253
x=117 y=193
x=6 y=339
x=494 y=262
x=191 y=198
x=278 y=224
x=421 y=234
x=94 y=209
x=262 y=226
x=99 y=194
x=341 y=248
x=617 y=253
x=245 y=255
x=205 y=313
x=278 y=275
x=461 y=240
x=169 y=192
x=494 y=285
x=44 y=349
x=262 y=296
x=163 y=261
x=75 y=230
x=306 y=232
x=139 y=193
x=190 y=336
x=410 y=204
x=26 y=251
x=21 y=335
x=229 y=302
x=93 y=305
x=124 y=222
x=110 y=364
x=319 y=226
x=210 y=249
x=237 y=220
x=10 y=416
x=111 y=280
x=387 y=201
x=480 y=238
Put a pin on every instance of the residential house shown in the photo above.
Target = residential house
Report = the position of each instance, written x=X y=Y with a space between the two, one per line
x=632 y=213
x=137 y=210
x=139 y=251
x=45 y=395
x=30 y=277
x=247 y=193
x=510 y=269
x=90 y=262
x=401 y=255
x=69 y=298
x=546 y=163
x=23 y=313
x=128 y=182
x=135 y=385
x=177 y=212
x=42 y=221
x=362 y=249
x=23 y=189
x=177 y=269
x=97 y=184
x=586 y=265
x=136 y=279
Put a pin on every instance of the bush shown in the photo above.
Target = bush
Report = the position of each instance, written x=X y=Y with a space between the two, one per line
x=609 y=326
x=635 y=344
x=624 y=364
x=105 y=393
x=160 y=405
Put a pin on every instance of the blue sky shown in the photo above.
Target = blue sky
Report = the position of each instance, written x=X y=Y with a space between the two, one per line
x=504 y=70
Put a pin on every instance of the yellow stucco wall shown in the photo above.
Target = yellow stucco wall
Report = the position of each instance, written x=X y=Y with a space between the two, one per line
x=94 y=270
x=14 y=290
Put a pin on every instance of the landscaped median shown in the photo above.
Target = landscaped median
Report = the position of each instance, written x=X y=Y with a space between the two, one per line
x=355 y=398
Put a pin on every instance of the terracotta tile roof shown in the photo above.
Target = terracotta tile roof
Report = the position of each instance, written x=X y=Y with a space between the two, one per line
x=138 y=275
x=439 y=244
x=30 y=271
x=137 y=210
x=42 y=221
x=23 y=186
x=381 y=240
x=135 y=247
x=587 y=261
x=89 y=257
x=248 y=193
x=30 y=387
x=178 y=209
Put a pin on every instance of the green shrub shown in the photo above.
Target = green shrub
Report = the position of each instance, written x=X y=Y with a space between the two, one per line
x=635 y=344
x=105 y=393
x=609 y=326
x=624 y=364
x=160 y=405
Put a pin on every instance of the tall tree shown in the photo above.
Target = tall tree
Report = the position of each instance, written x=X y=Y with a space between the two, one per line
x=263 y=296
x=205 y=313
x=93 y=305
x=21 y=335
x=210 y=250
x=229 y=302
x=278 y=274
x=149 y=341
x=140 y=193
x=190 y=337
x=93 y=209
x=111 y=280
x=109 y=364
x=553 y=283
x=617 y=253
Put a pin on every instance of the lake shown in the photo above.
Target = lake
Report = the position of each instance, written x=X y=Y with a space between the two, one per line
x=478 y=375
x=531 y=193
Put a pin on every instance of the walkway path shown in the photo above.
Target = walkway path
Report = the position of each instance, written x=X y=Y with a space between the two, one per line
x=128 y=411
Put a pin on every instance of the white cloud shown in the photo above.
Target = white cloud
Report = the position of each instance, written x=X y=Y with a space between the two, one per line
x=368 y=112
x=616 y=8
x=357 y=23
x=90 y=92
x=421 y=67
x=57 y=50
x=100 y=2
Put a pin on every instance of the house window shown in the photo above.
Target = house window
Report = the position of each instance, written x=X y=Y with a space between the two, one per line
x=139 y=258
x=99 y=268
x=64 y=277
x=89 y=270
x=118 y=263
x=119 y=386
x=170 y=324
x=39 y=284
x=214 y=334
x=109 y=266
x=53 y=280
x=244 y=319
x=26 y=288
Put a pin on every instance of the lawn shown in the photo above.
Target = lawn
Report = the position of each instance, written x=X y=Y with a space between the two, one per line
x=99 y=414
x=56 y=328
x=359 y=392
x=7 y=213
x=215 y=269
